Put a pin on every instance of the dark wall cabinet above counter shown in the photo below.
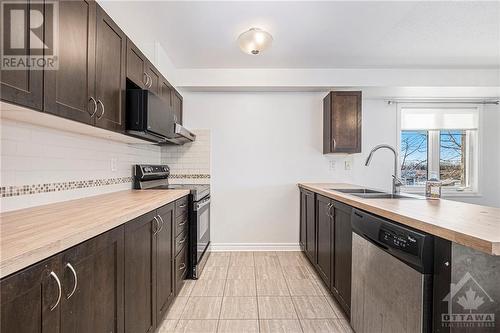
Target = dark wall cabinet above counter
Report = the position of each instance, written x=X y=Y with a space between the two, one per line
x=342 y=122
x=95 y=59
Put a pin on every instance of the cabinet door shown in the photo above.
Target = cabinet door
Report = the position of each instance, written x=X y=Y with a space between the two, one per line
x=136 y=65
x=140 y=274
x=342 y=122
x=303 y=212
x=341 y=282
x=164 y=261
x=177 y=106
x=23 y=86
x=325 y=238
x=70 y=89
x=29 y=299
x=93 y=285
x=155 y=79
x=166 y=91
x=310 y=227
x=110 y=73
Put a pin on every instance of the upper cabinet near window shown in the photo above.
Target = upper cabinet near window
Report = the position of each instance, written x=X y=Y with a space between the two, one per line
x=140 y=71
x=342 y=122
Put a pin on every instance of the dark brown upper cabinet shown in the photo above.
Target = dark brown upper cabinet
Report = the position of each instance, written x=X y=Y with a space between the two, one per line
x=111 y=45
x=177 y=106
x=24 y=87
x=136 y=65
x=154 y=78
x=70 y=90
x=166 y=90
x=342 y=122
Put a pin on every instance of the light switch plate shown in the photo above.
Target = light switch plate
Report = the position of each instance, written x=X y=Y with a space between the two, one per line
x=347 y=164
x=114 y=162
x=332 y=165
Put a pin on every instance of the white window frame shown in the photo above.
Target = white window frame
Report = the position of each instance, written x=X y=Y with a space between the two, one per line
x=474 y=145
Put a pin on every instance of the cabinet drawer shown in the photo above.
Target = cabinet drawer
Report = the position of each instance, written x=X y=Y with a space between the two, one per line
x=181 y=224
x=181 y=262
x=180 y=242
x=181 y=206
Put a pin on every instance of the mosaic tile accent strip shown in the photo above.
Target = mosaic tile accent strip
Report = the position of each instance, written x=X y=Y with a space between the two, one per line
x=189 y=176
x=13 y=191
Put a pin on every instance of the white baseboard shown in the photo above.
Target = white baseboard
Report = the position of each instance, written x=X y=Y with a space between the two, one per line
x=218 y=247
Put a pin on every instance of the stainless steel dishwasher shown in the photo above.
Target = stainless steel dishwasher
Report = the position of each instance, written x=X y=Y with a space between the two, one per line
x=391 y=276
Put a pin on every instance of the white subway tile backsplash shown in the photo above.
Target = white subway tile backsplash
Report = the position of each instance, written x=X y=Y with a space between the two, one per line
x=33 y=154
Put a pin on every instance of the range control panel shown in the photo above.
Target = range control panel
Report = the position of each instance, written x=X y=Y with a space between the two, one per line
x=404 y=241
x=149 y=171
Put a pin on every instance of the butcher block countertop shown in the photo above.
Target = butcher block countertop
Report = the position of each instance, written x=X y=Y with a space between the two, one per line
x=474 y=226
x=30 y=235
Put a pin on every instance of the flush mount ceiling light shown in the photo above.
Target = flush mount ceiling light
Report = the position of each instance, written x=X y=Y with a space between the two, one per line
x=254 y=41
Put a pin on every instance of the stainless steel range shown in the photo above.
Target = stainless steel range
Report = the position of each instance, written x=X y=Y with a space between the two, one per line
x=156 y=177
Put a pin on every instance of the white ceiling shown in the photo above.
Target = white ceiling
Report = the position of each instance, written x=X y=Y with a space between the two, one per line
x=337 y=34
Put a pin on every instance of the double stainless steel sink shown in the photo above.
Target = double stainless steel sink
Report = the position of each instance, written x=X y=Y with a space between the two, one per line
x=366 y=193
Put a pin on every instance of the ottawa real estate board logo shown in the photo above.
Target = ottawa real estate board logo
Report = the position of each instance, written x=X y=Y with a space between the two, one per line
x=468 y=305
x=29 y=35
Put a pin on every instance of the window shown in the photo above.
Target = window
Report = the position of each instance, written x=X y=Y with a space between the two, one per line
x=439 y=142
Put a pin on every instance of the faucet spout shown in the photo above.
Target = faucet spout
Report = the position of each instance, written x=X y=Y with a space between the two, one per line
x=396 y=183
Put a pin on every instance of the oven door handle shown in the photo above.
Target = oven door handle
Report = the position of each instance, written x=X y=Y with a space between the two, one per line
x=202 y=204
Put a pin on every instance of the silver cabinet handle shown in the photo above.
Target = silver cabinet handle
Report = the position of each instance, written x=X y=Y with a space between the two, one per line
x=54 y=275
x=102 y=105
x=68 y=265
x=334 y=143
x=182 y=267
x=157 y=226
x=182 y=240
x=329 y=213
x=181 y=224
x=95 y=106
x=182 y=206
x=145 y=79
x=150 y=81
x=161 y=225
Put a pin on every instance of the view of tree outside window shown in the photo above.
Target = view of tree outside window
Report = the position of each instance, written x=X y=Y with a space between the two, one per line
x=452 y=166
x=414 y=155
x=416 y=152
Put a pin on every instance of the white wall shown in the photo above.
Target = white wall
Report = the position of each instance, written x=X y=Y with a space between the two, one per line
x=33 y=155
x=262 y=145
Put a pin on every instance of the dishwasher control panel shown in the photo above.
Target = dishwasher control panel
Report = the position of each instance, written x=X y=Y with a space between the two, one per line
x=403 y=241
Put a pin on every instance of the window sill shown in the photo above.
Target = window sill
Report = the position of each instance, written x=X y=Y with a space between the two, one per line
x=446 y=193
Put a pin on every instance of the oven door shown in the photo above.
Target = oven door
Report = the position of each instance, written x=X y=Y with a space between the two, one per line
x=202 y=215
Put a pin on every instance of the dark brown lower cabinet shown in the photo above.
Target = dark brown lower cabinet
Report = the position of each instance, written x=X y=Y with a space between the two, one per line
x=140 y=274
x=332 y=242
x=92 y=280
x=325 y=238
x=342 y=255
x=29 y=299
x=164 y=262
x=123 y=280
x=308 y=224
x=79 y=290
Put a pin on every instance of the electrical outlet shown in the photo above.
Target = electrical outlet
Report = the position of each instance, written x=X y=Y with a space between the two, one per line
x=114 y=162
x=348 y=165
x=332 y=165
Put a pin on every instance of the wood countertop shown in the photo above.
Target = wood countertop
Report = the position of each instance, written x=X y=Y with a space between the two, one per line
x=30 y=235
x=474 y=226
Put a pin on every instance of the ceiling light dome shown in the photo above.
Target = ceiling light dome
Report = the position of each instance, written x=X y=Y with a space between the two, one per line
x=254 y=41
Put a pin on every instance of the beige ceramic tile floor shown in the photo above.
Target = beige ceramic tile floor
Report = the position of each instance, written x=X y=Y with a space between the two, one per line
x=266 y=292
